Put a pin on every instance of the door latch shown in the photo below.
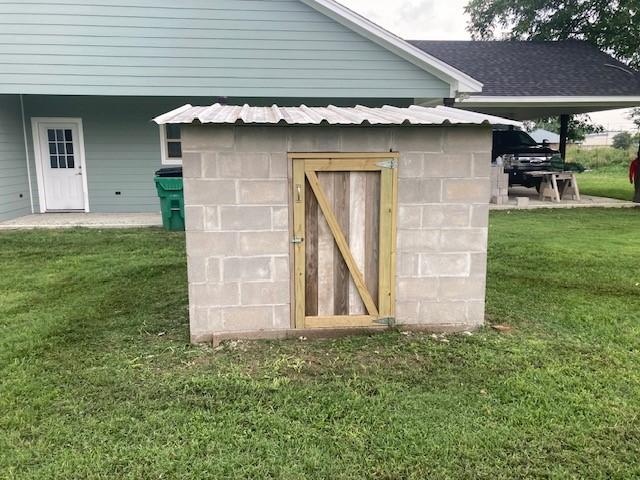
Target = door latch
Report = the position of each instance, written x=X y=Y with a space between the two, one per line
x=296 y=240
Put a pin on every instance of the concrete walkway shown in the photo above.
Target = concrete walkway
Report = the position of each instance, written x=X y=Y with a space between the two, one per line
x=85 y=220
x=534 y=203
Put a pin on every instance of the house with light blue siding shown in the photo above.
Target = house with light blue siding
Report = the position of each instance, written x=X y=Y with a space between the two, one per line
x=79 y=85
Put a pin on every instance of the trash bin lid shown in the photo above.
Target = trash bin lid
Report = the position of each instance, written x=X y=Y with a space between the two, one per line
x=169 y=172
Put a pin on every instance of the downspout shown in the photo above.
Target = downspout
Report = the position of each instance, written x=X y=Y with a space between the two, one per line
x=26 y=152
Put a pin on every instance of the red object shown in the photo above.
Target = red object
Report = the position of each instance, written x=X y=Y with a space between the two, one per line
x=633 y=169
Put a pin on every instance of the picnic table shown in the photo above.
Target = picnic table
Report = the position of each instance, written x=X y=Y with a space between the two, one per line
x=557 y=185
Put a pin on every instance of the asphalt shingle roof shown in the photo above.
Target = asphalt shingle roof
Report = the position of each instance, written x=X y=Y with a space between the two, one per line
x=521 y=68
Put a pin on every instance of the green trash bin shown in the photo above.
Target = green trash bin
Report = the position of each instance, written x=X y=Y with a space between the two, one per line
x=170 y=190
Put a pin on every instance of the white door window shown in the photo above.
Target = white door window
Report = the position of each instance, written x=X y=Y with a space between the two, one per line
x=63 y=185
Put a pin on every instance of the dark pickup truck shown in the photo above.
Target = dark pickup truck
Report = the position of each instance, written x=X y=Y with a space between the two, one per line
x=519 y=153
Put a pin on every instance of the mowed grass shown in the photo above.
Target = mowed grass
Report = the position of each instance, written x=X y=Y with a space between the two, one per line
x=98 y=379
x=611 y=182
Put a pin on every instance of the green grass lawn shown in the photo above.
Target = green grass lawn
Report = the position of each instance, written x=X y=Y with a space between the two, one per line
x=611 y=181
x=98 y=379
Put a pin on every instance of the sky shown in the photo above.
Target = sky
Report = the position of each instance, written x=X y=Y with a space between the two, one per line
x=445 y=20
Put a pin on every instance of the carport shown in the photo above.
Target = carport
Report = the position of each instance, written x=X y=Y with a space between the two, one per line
x=525 y=80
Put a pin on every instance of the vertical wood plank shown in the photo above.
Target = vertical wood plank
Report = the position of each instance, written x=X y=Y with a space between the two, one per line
x=326 y=249
x=341 y=271
x=372 y=235
x=311 y=251
x=357 y=219
x=394 y=243
x=299 y=248
x=385 y=243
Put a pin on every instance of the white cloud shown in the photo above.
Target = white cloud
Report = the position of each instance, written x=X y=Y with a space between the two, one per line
x=416 y=19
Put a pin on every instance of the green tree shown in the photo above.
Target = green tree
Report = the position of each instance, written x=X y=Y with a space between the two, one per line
x=579 y=126
x=613 y=26
x=622 y=141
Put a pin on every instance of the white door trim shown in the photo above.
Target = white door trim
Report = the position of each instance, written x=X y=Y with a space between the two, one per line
x=35 y=133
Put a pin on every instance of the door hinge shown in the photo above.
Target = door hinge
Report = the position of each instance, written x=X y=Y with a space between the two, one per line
x=388 y=164
x=388 y=321
x=296 y=240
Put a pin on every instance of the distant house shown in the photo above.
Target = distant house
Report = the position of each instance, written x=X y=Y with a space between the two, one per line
x=540 y=136
x=597 y=140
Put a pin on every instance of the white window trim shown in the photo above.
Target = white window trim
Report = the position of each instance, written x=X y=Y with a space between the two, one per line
x=37 y=153
x=165 y=160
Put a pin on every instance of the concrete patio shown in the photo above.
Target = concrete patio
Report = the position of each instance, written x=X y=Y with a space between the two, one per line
x=535 y=203
x=84 y=220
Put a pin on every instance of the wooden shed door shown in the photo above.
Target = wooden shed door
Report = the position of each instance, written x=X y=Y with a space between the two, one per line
x=344 y=237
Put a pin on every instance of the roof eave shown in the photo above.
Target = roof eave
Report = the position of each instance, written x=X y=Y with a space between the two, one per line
x=578 y=100
x=460 y=82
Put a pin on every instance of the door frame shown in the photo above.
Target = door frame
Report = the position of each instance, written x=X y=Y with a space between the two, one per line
x=36 y=122
x=297 y=215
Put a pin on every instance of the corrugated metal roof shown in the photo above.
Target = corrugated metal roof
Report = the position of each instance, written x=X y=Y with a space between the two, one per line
x=331 y=115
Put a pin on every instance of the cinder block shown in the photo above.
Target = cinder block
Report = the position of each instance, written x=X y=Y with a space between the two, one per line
x=247 y=318
x=466 y=190
x=280 y=218
x=464 y=240
x=366 y=139
x=245 y=218
x=210 y=165
x=409 y=216
x=199 y=321
x=278 y=165
x=196 y=269
x=418 y=241
x=481 y=164
x=209 y=192
x=191 y=165
x=476 y=312
x=199 y=138
x=468 y=139
x=281 y=269
x=419 y=190
x=214 y=294
x=478 y=264
x=480 y=216
x=417 y=289
x=243 y=165
x=264 y=293
x=420 y=139
x=282 y=317
x=443 y=313
x=435 y=216
x=408 y=264
x=213 y=270
x=461 y=288
x=522 y=202
x=246 y=269
x=447 y=165
x=194 y=218
x=445 y=264
x=211 y=219
x=407 y=312
x=260 y=139
x=263 y=192
x=317 y=139
x=411 y=165
x=203 y=244
x=264 y=243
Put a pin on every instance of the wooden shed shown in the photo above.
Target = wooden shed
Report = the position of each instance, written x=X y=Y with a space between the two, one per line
x=308 y=220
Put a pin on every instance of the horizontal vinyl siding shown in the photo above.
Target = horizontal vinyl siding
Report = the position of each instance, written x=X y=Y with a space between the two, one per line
x=198 y=48
x=14 y=185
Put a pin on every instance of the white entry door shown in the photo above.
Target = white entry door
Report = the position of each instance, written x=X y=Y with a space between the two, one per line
x=62 y=184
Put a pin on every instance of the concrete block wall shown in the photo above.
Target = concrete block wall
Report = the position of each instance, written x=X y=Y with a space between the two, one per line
x=236 y=207
x=443 y=195
x=237 y=196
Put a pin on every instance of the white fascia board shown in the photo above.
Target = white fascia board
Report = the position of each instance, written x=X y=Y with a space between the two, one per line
x=577 y=101
x=460 y=82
